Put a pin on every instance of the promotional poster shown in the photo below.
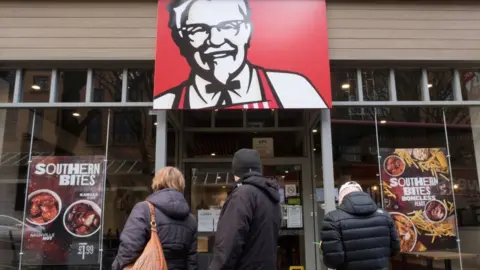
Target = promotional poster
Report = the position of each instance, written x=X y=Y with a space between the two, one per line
x=64 y=204
x=242 y=54
x=418 y=194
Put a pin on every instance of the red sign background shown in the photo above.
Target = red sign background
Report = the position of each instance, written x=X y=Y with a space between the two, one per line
x=287 y=35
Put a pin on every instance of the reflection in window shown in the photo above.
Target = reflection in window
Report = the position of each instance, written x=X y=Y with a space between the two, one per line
x=13 y=172
x=470 y=83
x=344 y=84
x=140 y=85
x=463 y=139
x=7 y=85
x=408 y=84
x=127 y=127
x=440 y=84
x=260 y=118
x=36 y=85
x=197 y=118
x=38 y=129
x=229 y=118
x=108 y=83
x=354 y=113
x=94 y=127
x=129 y=173
x=375 y=84
x=290 y=118
x=285 y=144
x=72 y=85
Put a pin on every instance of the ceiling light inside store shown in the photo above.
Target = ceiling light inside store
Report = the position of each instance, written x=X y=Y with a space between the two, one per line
x=455 y=186
x=345 y=86
x=383 y=121
x=375 y=187
x=286 y=171
x=314 y=131
x=36 y=87
x=224 y=187
x=314 y=149
x=75 y=114
x=430 y=85
x=212 y=154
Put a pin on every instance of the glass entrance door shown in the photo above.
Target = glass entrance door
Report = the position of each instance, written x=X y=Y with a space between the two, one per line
x=290 y=251
x=208 y=189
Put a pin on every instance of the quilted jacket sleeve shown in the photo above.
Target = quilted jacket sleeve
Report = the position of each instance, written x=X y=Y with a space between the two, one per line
x=332 y=246
x=192 y=254
x=134 y=237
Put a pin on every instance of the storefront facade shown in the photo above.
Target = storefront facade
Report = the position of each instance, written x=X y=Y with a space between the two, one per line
x=76 y=79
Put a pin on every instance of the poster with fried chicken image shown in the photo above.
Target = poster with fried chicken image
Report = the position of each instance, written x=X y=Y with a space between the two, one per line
x=418 y=194
x=63 y=210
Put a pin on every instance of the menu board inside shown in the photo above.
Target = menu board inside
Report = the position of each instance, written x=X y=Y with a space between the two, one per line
x=418 y=194
x=64 y=210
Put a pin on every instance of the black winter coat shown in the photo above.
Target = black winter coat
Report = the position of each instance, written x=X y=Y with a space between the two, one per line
x=358 y=235
x=248 y=228
x=177 y=231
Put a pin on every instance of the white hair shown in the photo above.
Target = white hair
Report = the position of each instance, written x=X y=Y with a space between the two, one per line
x=179 y=8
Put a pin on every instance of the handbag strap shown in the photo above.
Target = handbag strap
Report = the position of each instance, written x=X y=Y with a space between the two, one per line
x=153 y=224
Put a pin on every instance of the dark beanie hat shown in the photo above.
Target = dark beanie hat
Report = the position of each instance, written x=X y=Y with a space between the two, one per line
x=246 y=160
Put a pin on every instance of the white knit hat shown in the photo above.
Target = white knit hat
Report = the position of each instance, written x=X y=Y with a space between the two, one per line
x=347 y=188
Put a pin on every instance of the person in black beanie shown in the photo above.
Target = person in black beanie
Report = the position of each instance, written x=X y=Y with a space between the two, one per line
x=249 y=223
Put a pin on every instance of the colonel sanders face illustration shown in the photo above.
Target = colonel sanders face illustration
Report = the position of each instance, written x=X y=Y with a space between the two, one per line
x=213 y=36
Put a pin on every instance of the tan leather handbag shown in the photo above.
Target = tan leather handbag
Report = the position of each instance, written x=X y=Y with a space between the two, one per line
x=152 y=257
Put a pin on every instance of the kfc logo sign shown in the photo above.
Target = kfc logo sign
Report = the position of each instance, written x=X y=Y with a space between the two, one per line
x=242 y=54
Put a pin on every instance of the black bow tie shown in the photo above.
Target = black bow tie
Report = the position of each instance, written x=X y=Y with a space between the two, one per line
x=224 y=99
x=218 y=87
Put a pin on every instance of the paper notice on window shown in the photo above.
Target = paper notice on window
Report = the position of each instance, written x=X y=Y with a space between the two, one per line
x=294 y=216
x=205 y=221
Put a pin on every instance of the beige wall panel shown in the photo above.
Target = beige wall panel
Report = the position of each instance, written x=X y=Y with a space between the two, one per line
x=58 y=32
x=71 y=30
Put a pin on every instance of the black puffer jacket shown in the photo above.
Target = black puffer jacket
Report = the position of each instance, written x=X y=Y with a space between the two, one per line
x=358 y=235
x=177 y=231
x=248 y=227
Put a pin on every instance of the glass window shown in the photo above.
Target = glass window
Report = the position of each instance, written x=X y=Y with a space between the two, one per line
x=222 y=144
x=463 y=139
x=128 y=126
x=36 y=85
x=7 y=85
x=408 y=84
x=415 y=177
x=129 y=175
x=14 y=142
x=198 y=118
x=140 y=85
x=375 y=84
x=107 y=85
x=72 y=85
x=260 y=118
x=229 y=118
x=440 y=84
x=470 y=82
x=63 y=136
x=344 y=84
x=290 y=118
